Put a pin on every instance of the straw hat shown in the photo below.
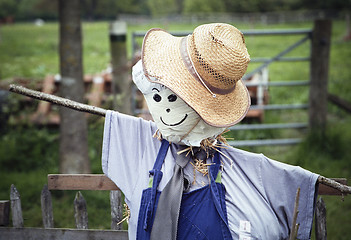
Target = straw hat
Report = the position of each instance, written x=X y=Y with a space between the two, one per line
x=204 y=69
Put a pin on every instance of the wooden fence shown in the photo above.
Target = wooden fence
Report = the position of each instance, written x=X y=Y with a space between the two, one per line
x=82 y=231
x=95 y=182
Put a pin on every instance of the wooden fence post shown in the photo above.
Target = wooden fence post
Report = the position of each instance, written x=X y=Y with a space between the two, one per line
x=116 y=209
x=4 y=213
x=46 y=208
x=16 y=208
x=80 y=211
x=319 y=74
x=121 y=83
x=321 y=220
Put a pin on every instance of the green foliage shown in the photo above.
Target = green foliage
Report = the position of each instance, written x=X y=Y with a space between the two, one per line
x=203 y=6
x=95 y=135
x=32 y=52
x=340 y=51
x=23 y=149
x=23 y=45
x=162 y=7
x=32 y=9
x=109 y=9
x=329 y=4
x=96 y=48
x=7 y=8
x=329 y=148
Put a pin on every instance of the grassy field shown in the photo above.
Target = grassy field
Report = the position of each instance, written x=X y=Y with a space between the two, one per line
x=29 y=153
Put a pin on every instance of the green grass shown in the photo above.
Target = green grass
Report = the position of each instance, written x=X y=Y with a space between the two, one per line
x=28 y=153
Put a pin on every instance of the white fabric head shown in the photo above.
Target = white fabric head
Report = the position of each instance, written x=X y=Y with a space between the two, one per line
x=175 y=119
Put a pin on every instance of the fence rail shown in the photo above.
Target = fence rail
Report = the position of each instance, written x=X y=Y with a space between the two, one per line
x=280 y=83
x=60 y=234
x=262 y=142
x=282 y=59
x=268 y=126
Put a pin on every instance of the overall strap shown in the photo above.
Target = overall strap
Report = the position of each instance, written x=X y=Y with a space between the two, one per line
x=214 y=171
x=155 y=173
x=154 y=180
x=161 y=154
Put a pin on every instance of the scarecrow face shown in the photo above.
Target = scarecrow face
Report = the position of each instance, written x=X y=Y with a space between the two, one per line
x=175 y=119
x=172 y=115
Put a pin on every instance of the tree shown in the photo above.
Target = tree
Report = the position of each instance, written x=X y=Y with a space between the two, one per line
x=73 y=127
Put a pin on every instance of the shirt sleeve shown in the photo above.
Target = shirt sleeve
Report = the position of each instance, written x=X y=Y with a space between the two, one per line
x=124 y=142
x=280 y=183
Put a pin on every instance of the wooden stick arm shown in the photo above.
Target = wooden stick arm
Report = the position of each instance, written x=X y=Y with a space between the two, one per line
x=344 y=189
x=57 y=100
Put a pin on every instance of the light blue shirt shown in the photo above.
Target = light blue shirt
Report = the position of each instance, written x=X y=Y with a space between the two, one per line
x=260 y=192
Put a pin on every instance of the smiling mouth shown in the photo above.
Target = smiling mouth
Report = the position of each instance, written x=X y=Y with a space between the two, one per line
x=174 y=124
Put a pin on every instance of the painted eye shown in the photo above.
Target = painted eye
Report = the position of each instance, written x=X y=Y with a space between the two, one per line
x=172 y=98
x=157 y=97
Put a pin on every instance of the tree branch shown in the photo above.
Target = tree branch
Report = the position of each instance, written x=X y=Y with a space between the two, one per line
x=344 y=189
x=57 y=100
x=294 y=226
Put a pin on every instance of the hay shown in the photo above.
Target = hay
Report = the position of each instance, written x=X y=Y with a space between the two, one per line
x=126 y=214
x=209 y=146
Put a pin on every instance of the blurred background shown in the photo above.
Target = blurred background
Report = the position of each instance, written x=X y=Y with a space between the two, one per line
x=31 y=139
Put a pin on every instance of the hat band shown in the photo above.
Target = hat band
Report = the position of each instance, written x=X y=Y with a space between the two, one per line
x=192 y=70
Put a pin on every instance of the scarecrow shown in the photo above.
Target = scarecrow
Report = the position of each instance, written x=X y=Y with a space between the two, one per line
x=179 y=178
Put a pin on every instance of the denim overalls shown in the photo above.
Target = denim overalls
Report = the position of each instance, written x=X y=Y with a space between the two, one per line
x=203 y=213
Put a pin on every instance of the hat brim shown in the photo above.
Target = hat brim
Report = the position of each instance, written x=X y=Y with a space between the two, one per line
x=162 y=60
